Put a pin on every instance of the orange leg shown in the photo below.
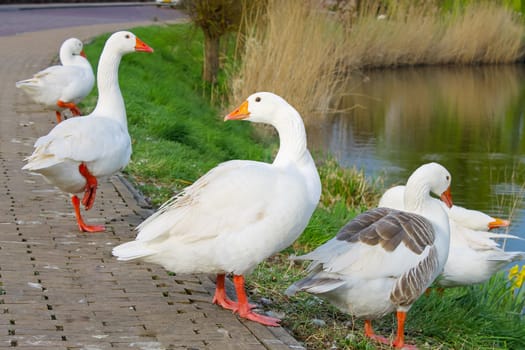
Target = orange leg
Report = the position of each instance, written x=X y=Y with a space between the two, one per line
x=220 y=297
x=91 y=187
x=59 y=116
x=72 y=107
x=244 y=308
x=369 y=332
x=81 y=224
x=399 y=342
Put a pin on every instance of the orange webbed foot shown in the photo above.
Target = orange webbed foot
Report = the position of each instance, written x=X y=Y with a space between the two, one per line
x=220 y=298
x=82 y=226
x=225 y=303
x=244 y=309
x=229 y=304
x=264 y=320
x=91 y=228
x=69 y=105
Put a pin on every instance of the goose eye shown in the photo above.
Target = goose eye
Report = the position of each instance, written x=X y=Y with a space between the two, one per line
x=448 y=177
x=257 y=99
x=127 y=36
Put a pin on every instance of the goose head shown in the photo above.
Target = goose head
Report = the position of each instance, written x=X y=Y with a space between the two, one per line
x=124 y=42
x=266 y=107
x=70 y=49
x=430 y=178
x=261 y=107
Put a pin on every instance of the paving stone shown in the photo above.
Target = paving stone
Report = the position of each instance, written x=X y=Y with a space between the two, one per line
x=62 y=289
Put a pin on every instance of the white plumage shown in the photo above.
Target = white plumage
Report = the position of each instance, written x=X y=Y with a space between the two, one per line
x=475 y=219
x=384 y=259
x=62 y=86
x=474 y=256
x=240 y=212
x=80 y=150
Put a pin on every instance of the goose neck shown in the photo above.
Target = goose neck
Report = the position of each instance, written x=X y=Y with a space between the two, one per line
x=110 y=102
x=65 y=57
x=416 y=193
x=292 y=139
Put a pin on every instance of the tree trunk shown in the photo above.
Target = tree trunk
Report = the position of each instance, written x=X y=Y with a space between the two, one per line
x=211 y=58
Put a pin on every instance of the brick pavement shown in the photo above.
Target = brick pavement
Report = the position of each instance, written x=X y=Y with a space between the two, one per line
x=62 y=289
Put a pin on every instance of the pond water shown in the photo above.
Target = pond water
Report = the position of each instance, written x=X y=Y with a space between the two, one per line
x=471 y=120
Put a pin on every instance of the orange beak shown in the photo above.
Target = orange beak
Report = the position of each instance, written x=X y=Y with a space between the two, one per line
x=446 y=197
x=83 y=54
x=498 y=223
x=240 y=113
x=142 y=46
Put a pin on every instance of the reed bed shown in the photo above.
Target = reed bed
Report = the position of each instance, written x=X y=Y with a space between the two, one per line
x=294 y=52
x=304 y=51
x=349 y=187
x=483 y=32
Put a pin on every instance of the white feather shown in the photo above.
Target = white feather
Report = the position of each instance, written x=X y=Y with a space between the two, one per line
x=474 y=256
x=359 y=278
x=99 y=140
x=69 y=82
x=241 y=211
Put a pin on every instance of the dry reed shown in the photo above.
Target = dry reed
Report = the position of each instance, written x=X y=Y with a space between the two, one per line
x=295 y=54
x=482 y=32
x=304 y=52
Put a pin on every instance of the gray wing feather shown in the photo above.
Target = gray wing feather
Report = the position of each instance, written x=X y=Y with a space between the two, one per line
x=317 y=282
x=413 y=283
x=389 y=228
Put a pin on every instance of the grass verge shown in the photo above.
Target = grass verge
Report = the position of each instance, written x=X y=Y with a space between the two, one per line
x=478 y=317
x=178 y=135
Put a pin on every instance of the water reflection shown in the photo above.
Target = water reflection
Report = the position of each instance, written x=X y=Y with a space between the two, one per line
x=469 y=119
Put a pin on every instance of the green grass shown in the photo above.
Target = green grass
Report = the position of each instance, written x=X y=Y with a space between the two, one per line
x=178 y=135
x=484 y=317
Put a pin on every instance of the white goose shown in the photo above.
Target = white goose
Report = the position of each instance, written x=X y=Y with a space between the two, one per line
x=79 y=150
x=384 y=259
x=475 y=219
x=61 y=87
x=474 y=256
x=239 y=213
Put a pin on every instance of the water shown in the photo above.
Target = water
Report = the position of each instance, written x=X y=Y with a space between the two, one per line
x=471 y=120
